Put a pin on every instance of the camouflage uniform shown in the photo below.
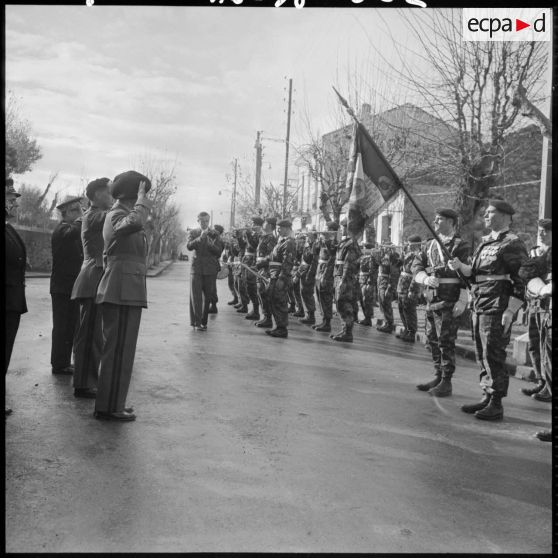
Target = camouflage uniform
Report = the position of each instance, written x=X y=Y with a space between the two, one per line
x=324 y=278
x=441 y=326
x=346 y=284
x=240 y=277
x=265 y=247
x=388 y=275
x=295 y=296
x=407 y=296
x=307 y=270
x=534 y=324
x=250 y=280
x=228 y=259
x=499 y=258
x=367 y=289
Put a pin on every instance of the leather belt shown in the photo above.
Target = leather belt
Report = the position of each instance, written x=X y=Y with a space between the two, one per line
x=406 y=274
x=323 y=261
x=482 y=278
x=249 y=253
x=339 y=262
x=261 y=259
x=448 y=280
x=383 y=274
x=275 y=264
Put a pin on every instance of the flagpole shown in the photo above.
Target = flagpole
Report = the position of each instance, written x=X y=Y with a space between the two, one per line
x=400 y=184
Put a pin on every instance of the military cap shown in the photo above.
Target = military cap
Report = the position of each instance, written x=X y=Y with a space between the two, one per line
x=219 y=229
x=502 y=206
x=343 y=222
x=285 y=223
x=545 y=224
x=258 y=221
x=271 y=220
x=414 y=239
x=10 y=190
x=95 y=185
x=332 y=226
x=68 y=200
x=126 y=185
x=448 y=213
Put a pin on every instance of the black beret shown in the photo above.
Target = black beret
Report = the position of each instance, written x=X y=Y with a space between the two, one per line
x=333 y=226
x=126 y=185
x=502 y=206
x=447 y=212
x=257 y=221
x=68 y=200
x=285 y=223
x=545 y=224
x=219 y=229
x=95 y=185
x=414 y=239
x=271 y=220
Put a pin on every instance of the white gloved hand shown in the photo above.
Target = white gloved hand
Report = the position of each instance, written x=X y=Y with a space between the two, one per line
x=432 y=282
x=546 y=291
x=455 y=264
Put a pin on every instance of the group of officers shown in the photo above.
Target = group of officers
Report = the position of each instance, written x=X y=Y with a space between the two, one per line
x=277 y=273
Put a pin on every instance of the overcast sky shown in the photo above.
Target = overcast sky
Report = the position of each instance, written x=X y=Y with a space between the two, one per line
x=105 y=87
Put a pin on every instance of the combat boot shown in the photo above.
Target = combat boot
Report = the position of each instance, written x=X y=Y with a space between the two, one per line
x=299 y=313
x=543 y=395
x=493 y=411
x=243 y=310
x=310 y=319
x=366 y=322
x=324 y=326
x=410 y=337
x=266 y=322
x=238 y=305
x=346 y=335
x=255 y=314
x=212 y=309
x=233 y=301
x=443 y=389
x=292 y=309
x=544 y=435
x=385 y=328
x=433 y=383
x=474 y=407
x=531 y=391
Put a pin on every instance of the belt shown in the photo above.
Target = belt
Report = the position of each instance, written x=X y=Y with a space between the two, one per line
x=384 y=274
x=339 y=262
x=261 y=259
x=275 y=264
x=249 y=253
x=406 y=274
x=363 y=274
x=481 y=278
x=323 y=261
x=448 y=280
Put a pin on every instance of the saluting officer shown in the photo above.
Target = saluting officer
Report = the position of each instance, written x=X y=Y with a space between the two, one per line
x=307 y=270
x=408 y=292
x=252 y=240
x=497 y=293
x=280 y=263
x=267 y=242
x=67 y=257
x=122 y=292
x=324 y=275
x=88 y=342
x=446 y=298
x=537 y=274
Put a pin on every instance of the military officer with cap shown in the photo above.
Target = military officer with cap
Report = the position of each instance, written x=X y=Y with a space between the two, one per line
x=122 y=292
x=446 y=298
x=408 y=292
x=537 y=308
x=280 y=263
x=267 y=242
x=497 y=293
x=324 y=275
x=536 y=272
x=14 y=274
x=88 y=341
x=67 y=257
x=252 y=237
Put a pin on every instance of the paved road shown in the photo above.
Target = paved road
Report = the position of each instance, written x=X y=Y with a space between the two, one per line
x=247 y=443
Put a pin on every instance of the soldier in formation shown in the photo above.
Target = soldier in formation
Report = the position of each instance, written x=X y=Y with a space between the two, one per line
x=368 y=282
x=239 y=276
x=295 y=295
x=388 y=275
x=267 y=242
x=308 y=268
x=252 y=237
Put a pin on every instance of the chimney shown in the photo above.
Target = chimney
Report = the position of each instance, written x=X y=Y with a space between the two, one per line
x=365 y=110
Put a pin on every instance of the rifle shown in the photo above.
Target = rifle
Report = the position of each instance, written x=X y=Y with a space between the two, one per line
x=265 y=280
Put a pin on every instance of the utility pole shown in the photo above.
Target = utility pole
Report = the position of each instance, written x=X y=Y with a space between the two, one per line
x=258 y=147
x=285 y=184
x=233 y=199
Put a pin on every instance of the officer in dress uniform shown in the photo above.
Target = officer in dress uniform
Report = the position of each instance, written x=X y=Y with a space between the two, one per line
x=280 y=263
x=537 y=274
x=307 y=270
x=15 y=263
x=122 y=292
x=388 y=275
x=446 y=298
x=408 y=292
x=67 y=257
x=346 y=280
x=252 y=237
x=324 y=275
x=267 y=242
x=536 y=308
x=497 y=294
x=88 y=341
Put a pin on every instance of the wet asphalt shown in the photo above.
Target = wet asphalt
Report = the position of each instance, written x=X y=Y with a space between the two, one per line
x=248 y=443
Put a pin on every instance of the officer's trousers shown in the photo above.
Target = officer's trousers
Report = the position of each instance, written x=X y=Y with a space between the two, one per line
x=441 y=333
x=88 y=344
x=65 y=317
x=120 y=326
x=490 y=350
x=202 y=289
x=385 y=301
x=263 y=297
x=408 y=313
x=324 y=293
x=278 y=294
x=12 y=325
x=307 y=283
x=345 y=297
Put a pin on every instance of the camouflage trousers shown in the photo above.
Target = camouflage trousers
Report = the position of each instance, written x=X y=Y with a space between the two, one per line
x=230 y=280
x=534 y=320
x=367 y=296
x=307 y=283
x=240 y=288
x=263 y=297
x=278 y=296
x=324 y=294
x=490 y=349
x=251 y=282
x=546 y=349
x=385 y=299
x=408 y=313
x=296 y=295
x=441 y=333
x=346 y=295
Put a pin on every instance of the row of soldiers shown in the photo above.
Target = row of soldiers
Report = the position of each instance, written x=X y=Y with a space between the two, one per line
x=276 y=273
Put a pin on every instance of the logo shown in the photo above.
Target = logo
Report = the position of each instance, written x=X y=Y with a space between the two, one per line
x=507 y=24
